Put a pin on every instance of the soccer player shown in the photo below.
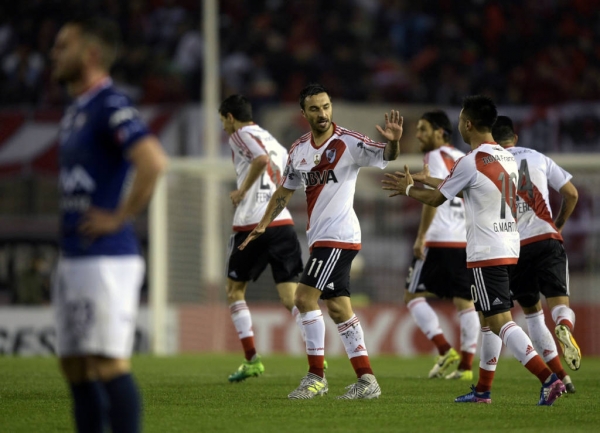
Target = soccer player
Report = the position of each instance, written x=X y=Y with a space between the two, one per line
x=487 y=178
x=439 y=263
x=326 y=161
x=100 y=271
x=259 y=161
x=543 y=264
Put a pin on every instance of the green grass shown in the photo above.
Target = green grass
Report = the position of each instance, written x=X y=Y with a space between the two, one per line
x=191 y=394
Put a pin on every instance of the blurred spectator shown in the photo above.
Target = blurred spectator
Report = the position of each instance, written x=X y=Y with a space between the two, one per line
x=33 y=283
x=22 y=69
x=432 y=51
x=189 y=56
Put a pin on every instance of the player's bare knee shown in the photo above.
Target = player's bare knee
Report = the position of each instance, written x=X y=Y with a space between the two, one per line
x=78 y=369
x=236 y=291
x=287 y=301
x=109 y=368
x=286 y=293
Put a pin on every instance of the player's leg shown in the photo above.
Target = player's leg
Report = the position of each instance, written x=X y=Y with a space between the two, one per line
x=285 y=258
x=307 y=301
x=353 y=338
x=90 y=402
x=469 y=325
x=564 y=318
x=543 y=342
x=242 y=321
x=491 y=346
x=492 y=294
x=334 y=282
x=74 y=319
x=123 y=278
x=96 y=305
x=554 y=285
x=122 y=391
x=424 y=316
x=244 y=266
x=453 y=263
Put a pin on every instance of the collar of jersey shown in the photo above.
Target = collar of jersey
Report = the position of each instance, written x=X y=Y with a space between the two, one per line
x=335 y=132
x=87 y=96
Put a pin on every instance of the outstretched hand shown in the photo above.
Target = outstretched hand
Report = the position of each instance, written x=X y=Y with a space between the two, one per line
x=422 y=175
x=393 y=126
x=397 y=182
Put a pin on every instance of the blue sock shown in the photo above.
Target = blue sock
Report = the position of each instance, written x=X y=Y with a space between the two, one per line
x=125 y=404
x=89 y=406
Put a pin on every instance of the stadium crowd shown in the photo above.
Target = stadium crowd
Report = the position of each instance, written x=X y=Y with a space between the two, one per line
x=433 y=51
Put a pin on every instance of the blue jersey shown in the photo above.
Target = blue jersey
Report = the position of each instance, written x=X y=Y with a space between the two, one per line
x=96 y=133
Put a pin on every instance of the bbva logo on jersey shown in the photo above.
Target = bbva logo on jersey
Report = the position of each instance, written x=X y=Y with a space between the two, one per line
x=76 y=178
x=312 y=178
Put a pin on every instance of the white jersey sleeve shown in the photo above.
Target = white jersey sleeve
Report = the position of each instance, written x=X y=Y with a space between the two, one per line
x=248 y=143
x=488 y=178
x=366 y=152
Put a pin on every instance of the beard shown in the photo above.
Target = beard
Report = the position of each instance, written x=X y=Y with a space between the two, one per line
x=316 y=124
x=69 y=73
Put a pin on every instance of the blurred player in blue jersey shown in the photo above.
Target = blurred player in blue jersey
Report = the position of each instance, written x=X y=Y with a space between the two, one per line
x=100 y=272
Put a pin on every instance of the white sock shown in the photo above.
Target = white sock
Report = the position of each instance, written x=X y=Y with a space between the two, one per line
x=298 y=319
x=517 y=342
x=491 y=346
x=353 y=337
x=425 y=318
x=469 y=326
x=240 y=314
x=561 y=312
x=540 y=335
x=314 y=327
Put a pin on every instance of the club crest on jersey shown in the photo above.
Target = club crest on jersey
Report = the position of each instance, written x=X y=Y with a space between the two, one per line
x=330 y=154
x=317 y=158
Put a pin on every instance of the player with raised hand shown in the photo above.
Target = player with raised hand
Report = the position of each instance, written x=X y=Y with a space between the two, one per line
x=439 y=264
x=543 y=264
x=486 y=177
x=259 y=160
x=100 y=271
x=326 y=162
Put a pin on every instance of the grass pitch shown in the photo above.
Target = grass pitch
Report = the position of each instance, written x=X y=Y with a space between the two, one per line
x=191 y=394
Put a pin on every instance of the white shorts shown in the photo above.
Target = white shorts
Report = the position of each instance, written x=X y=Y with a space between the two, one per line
x=96 y=301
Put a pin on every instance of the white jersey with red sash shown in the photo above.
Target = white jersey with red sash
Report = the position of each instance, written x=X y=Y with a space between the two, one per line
x=487 y=176
x=328 y=174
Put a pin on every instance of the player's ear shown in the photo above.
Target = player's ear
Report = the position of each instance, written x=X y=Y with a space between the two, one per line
x=516 y=139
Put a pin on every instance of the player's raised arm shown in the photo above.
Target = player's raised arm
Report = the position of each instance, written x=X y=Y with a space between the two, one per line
x=393 y=133
x=277 y=203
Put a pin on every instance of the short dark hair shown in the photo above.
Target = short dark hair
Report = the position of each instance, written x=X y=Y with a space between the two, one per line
x=311 y=90
x=439 y=120
x=239 y=107
x=481 y=111
x=105 y=31
x=503 y=130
